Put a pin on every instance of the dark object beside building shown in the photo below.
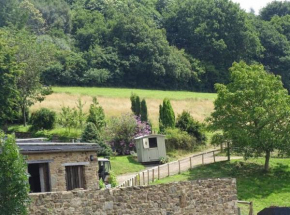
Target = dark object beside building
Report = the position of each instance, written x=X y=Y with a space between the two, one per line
x=275 y=211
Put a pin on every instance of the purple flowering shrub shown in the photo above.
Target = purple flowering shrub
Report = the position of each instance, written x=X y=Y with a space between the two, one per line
x=122 y=130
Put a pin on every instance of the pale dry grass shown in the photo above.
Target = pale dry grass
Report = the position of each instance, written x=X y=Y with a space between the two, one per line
x=199 y=108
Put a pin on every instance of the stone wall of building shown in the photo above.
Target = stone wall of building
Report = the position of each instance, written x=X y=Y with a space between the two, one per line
x=57 y=168
x=202 y=197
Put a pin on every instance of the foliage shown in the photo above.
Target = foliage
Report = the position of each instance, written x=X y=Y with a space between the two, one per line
x=105 y=149
x=143 y=110
x=166 y=115
x=253 y=111
x=185 y=122
x=275 y=8
x=163 y=160
x=68 y=118
x=135 y=104
x=80 y=113
x=101 y=183
x=14 y=187
x=177 y=139
x=121 y=132
x=91 y=133
x=43 y=119
x=9 y=72
x=113 y=179
x=96 y=114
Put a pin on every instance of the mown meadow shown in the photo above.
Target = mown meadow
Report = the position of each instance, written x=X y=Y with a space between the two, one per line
x=116 y=101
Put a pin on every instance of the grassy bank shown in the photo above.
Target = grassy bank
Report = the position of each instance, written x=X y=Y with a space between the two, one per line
x=125 y=164
x=253 y=184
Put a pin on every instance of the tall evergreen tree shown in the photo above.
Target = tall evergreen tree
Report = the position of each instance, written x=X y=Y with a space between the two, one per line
x=166 y=115
x=144 y=112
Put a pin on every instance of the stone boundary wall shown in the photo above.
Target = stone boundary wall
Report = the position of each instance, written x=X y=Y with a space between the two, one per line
x=201 y=197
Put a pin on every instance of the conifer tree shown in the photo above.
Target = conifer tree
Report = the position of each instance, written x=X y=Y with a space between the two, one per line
x=166 y=115
x=144 y=113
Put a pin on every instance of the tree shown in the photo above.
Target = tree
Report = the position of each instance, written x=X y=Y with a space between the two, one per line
x=91 y=133
x=9 y=71
x=33 y=55
x=143 y=110
x=14 y=186
x=135 y=104
x=253 y=111
x=96 y=114
x=166 y=115
x=275 y=8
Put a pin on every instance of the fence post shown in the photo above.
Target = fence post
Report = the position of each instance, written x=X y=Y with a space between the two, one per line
x=168 y=169
x=213 y=156
x=139 y=179
x=158 y=172
x=148 y=176
x=228 y=150
x=190 y=162
x=143 y=178
x=178 y=167
x=153 y=175
x=202 y=159
x=251 y=209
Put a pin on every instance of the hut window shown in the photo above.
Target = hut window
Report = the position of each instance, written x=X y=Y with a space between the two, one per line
x=39 y=177
x=153 y=142
x=74 y=177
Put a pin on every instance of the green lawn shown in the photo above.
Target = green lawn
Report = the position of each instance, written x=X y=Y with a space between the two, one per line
x=125 y=164
x=125 y=93
x=253 y=184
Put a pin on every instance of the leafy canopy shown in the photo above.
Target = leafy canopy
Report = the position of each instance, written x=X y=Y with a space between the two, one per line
x=253 y=111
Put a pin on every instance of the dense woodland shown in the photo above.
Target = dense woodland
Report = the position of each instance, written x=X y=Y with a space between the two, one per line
x=156 y=44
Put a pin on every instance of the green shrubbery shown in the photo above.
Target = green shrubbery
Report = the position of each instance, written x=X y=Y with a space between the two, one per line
x=177 y=139
x=166 y=116
x=43 y=119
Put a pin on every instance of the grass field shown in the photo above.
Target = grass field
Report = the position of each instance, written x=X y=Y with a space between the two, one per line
x=116 y=101
x=253 y=184
x=125 y=164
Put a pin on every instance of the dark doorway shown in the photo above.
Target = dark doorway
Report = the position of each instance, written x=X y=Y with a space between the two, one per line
x=74 y=177
x=153 y=142
x=39 y=177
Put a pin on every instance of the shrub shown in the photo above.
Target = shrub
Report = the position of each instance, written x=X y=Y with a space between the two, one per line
x=43 y=119
x=177 y=139
x=90 y=133
x=135 y=104
x=96 y=114
x=68 y=118
x=121 y=132
x=101 y=184
x=113 y=179
x=185 y=122
x=105 y=149
x=14 y=187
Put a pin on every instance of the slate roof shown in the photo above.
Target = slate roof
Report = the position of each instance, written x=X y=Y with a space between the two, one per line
x=50 y=147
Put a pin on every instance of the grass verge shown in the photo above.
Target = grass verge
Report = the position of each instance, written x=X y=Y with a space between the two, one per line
x=125 y=164
x=253 y=184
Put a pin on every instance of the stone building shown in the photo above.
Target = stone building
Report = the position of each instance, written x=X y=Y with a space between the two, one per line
x=60 y=166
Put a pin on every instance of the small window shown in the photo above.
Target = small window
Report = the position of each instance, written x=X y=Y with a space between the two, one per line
x=153 y=142
x=39 y=177
x=74 y=177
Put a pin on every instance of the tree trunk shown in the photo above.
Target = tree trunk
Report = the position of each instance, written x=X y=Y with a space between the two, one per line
x=267 y=161
x=24 y=116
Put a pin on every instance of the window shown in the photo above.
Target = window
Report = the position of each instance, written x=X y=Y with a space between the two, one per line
x=74 y=177
x=39 y=177
x=153 y=142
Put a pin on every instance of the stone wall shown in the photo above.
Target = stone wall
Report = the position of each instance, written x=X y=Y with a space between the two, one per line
x=57 y=169
x=214 y=196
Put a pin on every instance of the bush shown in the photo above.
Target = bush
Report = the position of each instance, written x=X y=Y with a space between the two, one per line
x=43 y=119
x=177 y=139
x=90 y=133
x=122 y=131
x=14 y=187
x=185 y=122
x=166 y=116
x=105 y=149
x=113 y=179
x=101 y=184
x=96 y=115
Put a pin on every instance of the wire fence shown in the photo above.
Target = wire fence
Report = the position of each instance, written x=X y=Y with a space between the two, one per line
x=161 y=171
